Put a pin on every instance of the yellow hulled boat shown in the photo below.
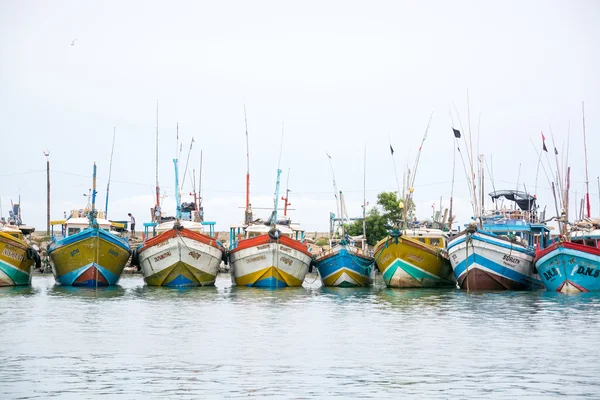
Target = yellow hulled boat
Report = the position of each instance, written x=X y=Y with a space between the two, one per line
x=415 y=258
x=17 y=257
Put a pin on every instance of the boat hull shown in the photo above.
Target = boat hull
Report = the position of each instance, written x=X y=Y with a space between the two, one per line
x=263 y=262
x=491 y=263
x=16 y=268
x=342 y=267
x=569 y=268
x=180 y=258
x=408 y=263
x=92 y=257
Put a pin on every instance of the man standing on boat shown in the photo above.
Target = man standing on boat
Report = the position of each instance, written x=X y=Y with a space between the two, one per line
x=132 y=223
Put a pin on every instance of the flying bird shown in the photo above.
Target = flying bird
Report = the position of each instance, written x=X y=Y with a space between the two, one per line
x=73 y=42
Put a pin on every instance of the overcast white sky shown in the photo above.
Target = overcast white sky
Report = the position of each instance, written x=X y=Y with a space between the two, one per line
x=338 y=73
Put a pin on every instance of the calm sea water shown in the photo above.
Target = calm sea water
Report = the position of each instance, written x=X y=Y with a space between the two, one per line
x=134 y=341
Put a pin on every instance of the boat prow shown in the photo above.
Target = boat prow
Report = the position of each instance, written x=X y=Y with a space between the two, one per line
x=180 y=257
x=91 y=257
x=269 y=261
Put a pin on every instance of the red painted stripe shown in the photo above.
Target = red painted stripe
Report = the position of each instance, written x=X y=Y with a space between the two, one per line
x=264 y=239
x=567 y=245
x=184 y=232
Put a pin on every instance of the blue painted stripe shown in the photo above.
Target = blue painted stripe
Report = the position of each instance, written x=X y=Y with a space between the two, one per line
x=18 y=277
x=69 y=278
x=270 y=282
x=498 y=242
x=562 y=259
x=181 y=280
x=343 y=259
x=496 y=268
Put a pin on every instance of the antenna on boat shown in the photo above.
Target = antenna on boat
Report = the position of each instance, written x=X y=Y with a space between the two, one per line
x=156 y=216
x=248 y=214
x=109 y=173
x=587 y=179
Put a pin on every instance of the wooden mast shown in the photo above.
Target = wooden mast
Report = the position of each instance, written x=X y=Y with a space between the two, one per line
x=587 y=179
x=248 y=214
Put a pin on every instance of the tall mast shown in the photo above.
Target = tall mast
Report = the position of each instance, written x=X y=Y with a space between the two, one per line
x=177 y=200
x=157 y=205
x=587 y=179
x=109 y=173
x=286 y=199
x=335 y=189
x=276 y=200
x=248 y=215
x=200 y=208
x=94 y=192
x=364 y=208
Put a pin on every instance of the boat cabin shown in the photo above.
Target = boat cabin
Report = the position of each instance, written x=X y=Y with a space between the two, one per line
x=78 y=221
x=239 y=232
x=11 y=230
x=433 y=237
x=586 y=238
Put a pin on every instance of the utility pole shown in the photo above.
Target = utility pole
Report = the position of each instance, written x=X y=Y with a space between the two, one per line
x=47 y=154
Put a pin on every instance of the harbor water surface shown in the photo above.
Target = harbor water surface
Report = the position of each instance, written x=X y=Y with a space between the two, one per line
x=135 y=341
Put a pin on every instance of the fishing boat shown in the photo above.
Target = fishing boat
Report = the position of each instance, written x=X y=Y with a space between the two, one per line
x=179 y=254
x=344 y=264
x=413 y=254
x=87 y=253
x=17 y=257
x=415 y=258
x=269 y=253
x=571 y=262
x=573 y=265
x=497 y=252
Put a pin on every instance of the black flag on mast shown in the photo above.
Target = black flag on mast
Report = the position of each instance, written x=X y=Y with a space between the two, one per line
x=456 y=133
x=544 y=143
x=392 y=149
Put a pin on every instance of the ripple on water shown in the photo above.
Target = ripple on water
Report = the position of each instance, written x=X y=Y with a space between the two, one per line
x=138 y=341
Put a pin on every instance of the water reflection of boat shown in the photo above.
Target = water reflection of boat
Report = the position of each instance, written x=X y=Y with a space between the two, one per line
x=12 y=291
x=87 y=292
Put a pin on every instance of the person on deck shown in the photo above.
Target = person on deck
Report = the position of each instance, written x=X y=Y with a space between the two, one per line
x=132 y=223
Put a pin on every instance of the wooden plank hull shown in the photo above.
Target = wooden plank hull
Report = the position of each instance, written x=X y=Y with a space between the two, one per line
x=487 y=262
x=569 y=268
x=92 y=257
x=343 y=267
x=16 y=267
x=180 y=258
x=408 y=263
x=263 y=262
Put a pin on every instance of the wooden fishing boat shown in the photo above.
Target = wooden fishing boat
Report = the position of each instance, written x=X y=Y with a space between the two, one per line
x=498 y=253
x=344 y=265
x=17 y=257
x=415 y=258
x=87 y=254
x=269 y=256
x=571 y=266
x=571 y=262
x=180 y=255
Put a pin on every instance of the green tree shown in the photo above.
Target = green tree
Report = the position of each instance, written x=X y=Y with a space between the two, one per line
x=376 y=227
x=392 y=212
